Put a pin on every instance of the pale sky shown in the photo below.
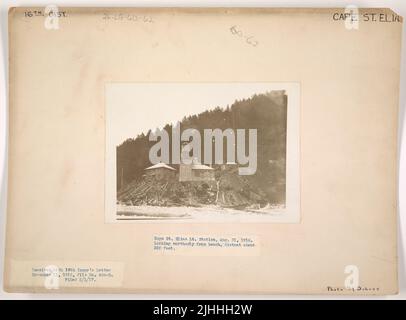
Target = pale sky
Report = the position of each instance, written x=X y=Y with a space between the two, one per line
x=133 y=108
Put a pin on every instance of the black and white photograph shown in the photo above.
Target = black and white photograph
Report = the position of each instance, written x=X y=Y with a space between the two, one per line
x=223 y=156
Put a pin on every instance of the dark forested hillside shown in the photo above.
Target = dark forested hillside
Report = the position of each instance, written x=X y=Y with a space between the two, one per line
x=265 y=112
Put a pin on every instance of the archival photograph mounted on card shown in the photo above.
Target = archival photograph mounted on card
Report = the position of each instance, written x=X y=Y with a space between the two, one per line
x=203 y=150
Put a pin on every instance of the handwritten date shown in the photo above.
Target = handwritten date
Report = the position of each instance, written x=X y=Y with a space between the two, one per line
x=127 y=17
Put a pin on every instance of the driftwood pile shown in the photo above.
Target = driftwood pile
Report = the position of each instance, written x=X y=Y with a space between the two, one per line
x=229 y=190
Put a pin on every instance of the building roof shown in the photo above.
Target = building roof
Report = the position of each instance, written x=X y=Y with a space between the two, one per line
x=201 y=167
x=160 y=165
x=196 y=165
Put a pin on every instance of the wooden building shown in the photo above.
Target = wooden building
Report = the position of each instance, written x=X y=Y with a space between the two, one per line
x=196 y=172
x=160 y=171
